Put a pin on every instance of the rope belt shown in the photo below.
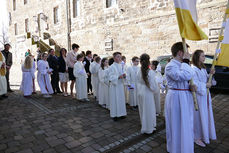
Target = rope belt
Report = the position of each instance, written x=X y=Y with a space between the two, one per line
x=180 y=89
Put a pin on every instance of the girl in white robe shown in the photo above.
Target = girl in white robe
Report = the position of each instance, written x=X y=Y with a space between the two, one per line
x=94 y=69
x=27 y=85
x=131 y=77
x=146 y=87
x=204 y=126
x=43 y=76
x=81 y=79
x=103 y=87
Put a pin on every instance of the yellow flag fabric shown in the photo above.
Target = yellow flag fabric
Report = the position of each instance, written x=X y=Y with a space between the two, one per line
x=187 y=20
x=2 y=69
x=223 y=58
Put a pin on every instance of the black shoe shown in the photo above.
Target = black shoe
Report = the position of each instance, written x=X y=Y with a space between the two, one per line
x=123 y=117
x=4 y=96
x=10 y=90
x=59 y=92
x=115 y=119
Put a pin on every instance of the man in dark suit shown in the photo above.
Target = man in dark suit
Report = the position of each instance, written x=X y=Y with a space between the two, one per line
x=87 y=62
x=53 y=64
x=8 y=56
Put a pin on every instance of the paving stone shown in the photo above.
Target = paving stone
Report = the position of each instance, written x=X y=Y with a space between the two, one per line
x=3 y=146
x=26 y=151
x=56 y=142
x=88 y=150
x=68 y=139
x=72 y=144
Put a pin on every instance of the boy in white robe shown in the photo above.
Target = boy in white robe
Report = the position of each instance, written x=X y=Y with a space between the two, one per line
x=81 y=79
x=43 y=76
x=124 y=69
x=146 y=87
x=116 y=90
x=155 y=66
x=27 y=85
x=179 y=103
x=103 y=87
x=204 y=126
x=94 y=69
x=131 y=78
x=3 y=84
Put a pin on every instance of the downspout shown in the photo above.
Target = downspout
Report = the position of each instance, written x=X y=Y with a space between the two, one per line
x=68 y=14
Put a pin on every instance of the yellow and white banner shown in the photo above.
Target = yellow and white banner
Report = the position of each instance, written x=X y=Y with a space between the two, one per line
x=187 y=20
x=223 y=58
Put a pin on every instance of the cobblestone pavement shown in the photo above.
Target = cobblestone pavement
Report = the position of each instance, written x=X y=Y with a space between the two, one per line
x=64 y=125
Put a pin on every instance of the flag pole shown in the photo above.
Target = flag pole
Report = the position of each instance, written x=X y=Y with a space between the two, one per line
x=191 y=81
x=218 y=45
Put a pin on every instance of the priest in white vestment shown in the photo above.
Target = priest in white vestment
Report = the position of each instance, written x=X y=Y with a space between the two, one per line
x=146 y=86
x=43 y=76
x=131 y=78
x=179 y=103
x=116 y=90
x=94 y=69
x=204 y=126
x=81 y=79
x=3 y=84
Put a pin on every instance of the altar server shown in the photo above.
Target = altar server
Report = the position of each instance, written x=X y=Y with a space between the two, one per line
x=43 y=76
x=81 y=79
x=204 y=126
x=179 y=102
x=27 y=84
x=132 y=82
x=116 y=90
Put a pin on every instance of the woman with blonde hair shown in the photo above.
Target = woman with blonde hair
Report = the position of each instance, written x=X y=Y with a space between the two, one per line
x=27 y=85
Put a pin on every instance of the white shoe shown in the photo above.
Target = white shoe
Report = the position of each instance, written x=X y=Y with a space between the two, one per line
x=86 y=99
x=47 y=96
x=65 y=94
x=200 y=143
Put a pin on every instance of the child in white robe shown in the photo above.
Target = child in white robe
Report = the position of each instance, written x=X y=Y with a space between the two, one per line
x=146 y=87
x=103 y=87
x=81 y=79
x=116 y=90
x=179 y=102
x=27 y=85
x=204 y=126
x=131 y=78
x=124 y=69
x=94 y=69
x=43 y=76
x=159 y=80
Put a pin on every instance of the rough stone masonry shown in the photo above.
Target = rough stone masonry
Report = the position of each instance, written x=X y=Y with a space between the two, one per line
x=132 y=27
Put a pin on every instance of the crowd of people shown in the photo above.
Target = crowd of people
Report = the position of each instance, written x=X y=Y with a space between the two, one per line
x=114 y=84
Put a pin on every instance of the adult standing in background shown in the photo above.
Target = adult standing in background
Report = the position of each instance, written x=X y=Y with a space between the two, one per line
x=63 y=71
x=87 y=62
x=8 y=57
x=71 y=60
x=53 y=64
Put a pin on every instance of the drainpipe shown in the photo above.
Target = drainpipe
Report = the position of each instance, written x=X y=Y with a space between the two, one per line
x=68 y=24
